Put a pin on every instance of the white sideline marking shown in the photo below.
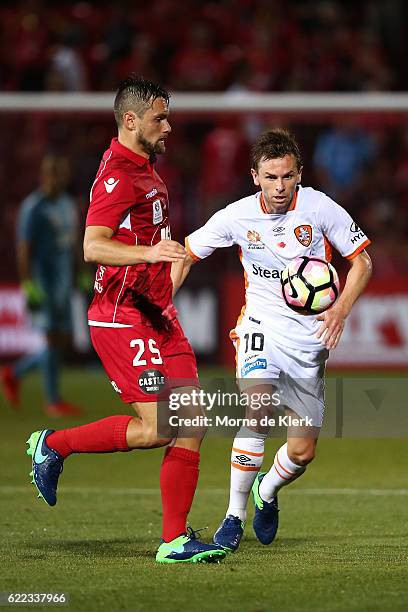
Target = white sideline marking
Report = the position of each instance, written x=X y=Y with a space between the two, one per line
x=135 y=491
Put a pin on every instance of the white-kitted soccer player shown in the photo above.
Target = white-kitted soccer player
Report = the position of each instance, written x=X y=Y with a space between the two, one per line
x=276 y=347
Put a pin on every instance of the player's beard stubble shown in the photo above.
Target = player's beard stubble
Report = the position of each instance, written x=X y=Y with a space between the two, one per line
x=151 y=148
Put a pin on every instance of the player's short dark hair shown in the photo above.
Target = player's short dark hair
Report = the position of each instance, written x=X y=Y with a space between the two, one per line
x=275 y=144
x=137 y=94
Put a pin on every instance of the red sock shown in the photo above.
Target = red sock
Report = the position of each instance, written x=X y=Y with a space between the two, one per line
x=178 y=482
x=104 y=436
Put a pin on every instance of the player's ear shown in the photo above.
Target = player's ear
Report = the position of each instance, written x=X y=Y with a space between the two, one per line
x=300 y=174
x=129 y=120
x=255 y=177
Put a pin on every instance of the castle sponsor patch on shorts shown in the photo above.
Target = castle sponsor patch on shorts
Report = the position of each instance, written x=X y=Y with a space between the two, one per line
x=152 y=381
x=258 y=364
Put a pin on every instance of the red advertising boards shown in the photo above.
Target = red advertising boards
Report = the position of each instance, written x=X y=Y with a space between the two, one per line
x=17 y=336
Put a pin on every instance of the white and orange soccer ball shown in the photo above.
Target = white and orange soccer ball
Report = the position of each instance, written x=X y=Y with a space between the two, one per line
x=309 y=285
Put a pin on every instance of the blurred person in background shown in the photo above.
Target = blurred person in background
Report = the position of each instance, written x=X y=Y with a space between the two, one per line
x=46 y=237
x=224 y=153
x=67 y=70
x=343 y=154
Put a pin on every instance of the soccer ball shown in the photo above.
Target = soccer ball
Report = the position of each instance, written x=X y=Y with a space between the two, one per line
x=309 y=285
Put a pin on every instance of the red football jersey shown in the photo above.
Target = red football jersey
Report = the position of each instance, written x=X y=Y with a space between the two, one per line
x=129 y=197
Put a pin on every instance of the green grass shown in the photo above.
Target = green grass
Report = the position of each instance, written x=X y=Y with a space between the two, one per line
x=342 y=544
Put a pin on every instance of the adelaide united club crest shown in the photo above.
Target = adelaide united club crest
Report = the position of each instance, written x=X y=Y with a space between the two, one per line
x=304 y=234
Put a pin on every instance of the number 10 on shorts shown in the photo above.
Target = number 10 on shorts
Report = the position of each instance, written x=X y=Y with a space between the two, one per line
x=139 y=343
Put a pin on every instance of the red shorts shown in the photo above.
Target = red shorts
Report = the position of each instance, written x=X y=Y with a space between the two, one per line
x=144 y=363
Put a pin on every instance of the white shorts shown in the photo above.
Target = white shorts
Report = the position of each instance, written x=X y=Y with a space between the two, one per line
x=297 y=374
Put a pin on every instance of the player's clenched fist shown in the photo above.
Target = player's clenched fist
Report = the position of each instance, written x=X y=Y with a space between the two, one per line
x=166 y=250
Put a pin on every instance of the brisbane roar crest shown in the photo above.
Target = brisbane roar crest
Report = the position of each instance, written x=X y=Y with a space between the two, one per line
x=304 y=234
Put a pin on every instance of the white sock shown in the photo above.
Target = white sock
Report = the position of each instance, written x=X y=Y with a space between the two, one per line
x=246 y=459
x=282 y=472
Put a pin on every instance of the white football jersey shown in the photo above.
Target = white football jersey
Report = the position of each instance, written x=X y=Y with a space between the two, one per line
x=268 y=242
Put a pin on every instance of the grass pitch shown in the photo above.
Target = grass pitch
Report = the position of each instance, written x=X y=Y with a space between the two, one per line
x=342 y=543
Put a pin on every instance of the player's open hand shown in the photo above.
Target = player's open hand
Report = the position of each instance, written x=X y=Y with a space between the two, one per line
x=331 y=328
x=166 y=250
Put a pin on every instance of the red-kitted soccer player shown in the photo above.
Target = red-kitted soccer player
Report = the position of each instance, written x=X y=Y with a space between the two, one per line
x=133 y=324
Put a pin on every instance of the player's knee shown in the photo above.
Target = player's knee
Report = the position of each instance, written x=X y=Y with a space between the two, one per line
x=162 y=442
x=301 y=456
x=151 y=439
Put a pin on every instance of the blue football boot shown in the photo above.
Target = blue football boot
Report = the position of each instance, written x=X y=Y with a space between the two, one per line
x=47 y=466
x=266 y=518
x=187 y=549
x=229 y=533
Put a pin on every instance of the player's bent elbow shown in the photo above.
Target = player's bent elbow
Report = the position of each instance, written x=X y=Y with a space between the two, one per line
x=89 y=252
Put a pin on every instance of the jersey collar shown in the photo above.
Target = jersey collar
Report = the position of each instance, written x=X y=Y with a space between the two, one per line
x=291 y=207
x=139 y=160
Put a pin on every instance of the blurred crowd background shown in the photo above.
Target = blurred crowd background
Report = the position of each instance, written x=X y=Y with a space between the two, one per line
x=228 y=47
x=361 y=160
x=213 y=45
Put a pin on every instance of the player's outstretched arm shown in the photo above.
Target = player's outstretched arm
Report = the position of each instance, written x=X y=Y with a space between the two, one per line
x=333 y=319
x=100 y=247
x=179 y=272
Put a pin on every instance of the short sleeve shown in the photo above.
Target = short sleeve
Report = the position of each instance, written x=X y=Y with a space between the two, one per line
x=340 y=229
x=215 y=234
x=111 y=197
x=27 y=221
